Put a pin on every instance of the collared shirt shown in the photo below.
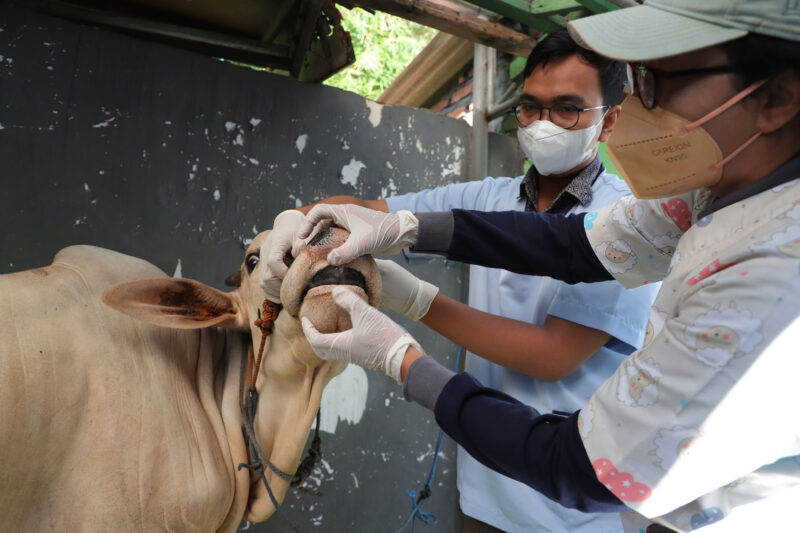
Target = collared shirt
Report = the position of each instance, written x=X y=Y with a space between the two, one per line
x=484 y=494
x=579 y=190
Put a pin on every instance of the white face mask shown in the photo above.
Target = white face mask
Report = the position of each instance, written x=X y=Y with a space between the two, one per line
x=553 y=149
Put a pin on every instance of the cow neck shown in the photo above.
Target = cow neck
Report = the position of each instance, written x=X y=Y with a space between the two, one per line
x=249 y=400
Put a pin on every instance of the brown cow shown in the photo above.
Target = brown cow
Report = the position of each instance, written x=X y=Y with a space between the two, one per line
x=113 y=423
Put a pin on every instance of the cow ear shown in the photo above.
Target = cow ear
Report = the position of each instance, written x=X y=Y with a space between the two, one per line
x=174 y=302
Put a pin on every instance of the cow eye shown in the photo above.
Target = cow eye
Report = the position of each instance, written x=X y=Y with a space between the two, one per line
x=251 y=261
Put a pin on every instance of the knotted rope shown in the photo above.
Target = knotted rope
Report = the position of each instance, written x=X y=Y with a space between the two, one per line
x=249 y=401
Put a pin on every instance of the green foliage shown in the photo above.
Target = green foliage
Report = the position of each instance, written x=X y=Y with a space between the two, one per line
x=384 y=45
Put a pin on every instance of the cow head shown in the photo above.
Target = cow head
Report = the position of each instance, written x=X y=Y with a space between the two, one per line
x=292 y=377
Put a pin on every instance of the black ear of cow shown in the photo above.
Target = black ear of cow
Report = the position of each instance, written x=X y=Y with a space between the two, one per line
x=234 y=280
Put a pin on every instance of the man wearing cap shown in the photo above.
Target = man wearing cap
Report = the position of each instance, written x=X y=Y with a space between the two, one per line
x=698 y=429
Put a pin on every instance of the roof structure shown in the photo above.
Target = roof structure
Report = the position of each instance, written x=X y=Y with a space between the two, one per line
x=305 y=38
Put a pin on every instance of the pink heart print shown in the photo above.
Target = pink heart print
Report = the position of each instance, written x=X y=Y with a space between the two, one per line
x=621 y=484
x=678 y=210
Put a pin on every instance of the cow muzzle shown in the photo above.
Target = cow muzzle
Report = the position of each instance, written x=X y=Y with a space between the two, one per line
x=306 y=289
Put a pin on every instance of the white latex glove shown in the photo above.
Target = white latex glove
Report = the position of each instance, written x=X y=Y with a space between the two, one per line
x=374 y=342
x=272 y=269
x=403 y=292
x=370 y=231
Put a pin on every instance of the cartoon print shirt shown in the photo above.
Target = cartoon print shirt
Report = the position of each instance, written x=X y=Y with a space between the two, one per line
x=701 y=423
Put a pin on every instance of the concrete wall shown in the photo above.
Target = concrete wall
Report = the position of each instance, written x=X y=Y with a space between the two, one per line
x=115 y=141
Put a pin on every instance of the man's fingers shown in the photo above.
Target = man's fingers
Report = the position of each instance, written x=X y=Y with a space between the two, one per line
x=276 y=265
x=305 y=229
x=388 y=268
x=273 y=299
x=315 y=338
x=347 y=300
x=317 y=214
x=299 y=245
x=344 y=253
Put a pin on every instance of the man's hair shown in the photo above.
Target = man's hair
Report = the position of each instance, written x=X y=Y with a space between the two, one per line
x=757 y=57
x=559 y=45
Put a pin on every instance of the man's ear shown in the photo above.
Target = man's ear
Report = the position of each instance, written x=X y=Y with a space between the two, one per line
x=779 y=102
x=175 y=303
x=609 y=122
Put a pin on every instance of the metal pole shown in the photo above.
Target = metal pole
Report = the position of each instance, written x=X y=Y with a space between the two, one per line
x=482 y=77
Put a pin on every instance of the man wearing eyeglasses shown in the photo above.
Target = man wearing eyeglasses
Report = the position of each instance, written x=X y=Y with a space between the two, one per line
x=568 y=105
x=699 y=428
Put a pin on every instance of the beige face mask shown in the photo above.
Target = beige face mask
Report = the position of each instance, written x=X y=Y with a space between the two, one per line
x=662 y=154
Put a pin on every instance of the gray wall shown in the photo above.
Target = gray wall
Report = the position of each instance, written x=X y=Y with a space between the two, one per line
x=111 y=140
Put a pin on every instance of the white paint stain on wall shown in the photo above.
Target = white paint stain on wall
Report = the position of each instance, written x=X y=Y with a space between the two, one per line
x=300 y=143
x=453 y=167
x=389 y=190
x=255 y=122
x=230 y=126
x=345 y=398
x=217 y=195
x=178 y=270
x=351 y=171
x=375 y=110
x=105 y=123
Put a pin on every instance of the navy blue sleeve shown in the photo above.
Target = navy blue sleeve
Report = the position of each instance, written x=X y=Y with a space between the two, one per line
x=543 y=451
x=541 y=244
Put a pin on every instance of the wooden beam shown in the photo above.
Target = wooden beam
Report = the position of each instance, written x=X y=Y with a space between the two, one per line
x=455 y=20
x=442 y=59
x=305 y=24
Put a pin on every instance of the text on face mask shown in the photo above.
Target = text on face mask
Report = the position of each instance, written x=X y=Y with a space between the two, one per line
x=671 y=148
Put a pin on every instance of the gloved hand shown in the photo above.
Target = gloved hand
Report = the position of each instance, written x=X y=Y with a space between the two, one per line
x=403 y=292
x=370 y=231
x=374 y=341
x=272 y=269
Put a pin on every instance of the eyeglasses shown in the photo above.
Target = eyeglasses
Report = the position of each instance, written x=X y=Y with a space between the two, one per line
x=562 y=115
x=646 y=80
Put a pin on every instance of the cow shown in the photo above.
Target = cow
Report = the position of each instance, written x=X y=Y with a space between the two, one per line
x=120 y=389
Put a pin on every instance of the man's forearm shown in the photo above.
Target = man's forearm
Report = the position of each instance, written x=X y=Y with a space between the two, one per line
x=550 y=351
x=377 y=205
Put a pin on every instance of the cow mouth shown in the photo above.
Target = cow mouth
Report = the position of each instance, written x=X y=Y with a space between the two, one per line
x=336 y=275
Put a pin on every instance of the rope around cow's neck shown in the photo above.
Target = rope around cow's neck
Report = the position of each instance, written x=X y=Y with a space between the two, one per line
x=248 y=403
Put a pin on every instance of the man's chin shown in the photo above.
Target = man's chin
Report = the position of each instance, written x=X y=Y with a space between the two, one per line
x=318 y=306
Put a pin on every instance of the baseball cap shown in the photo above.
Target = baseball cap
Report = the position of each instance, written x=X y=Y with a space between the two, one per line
x=663 y=28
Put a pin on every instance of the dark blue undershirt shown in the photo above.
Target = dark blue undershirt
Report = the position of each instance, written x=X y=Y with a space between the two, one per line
x=540 y=244
x=543 y=451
